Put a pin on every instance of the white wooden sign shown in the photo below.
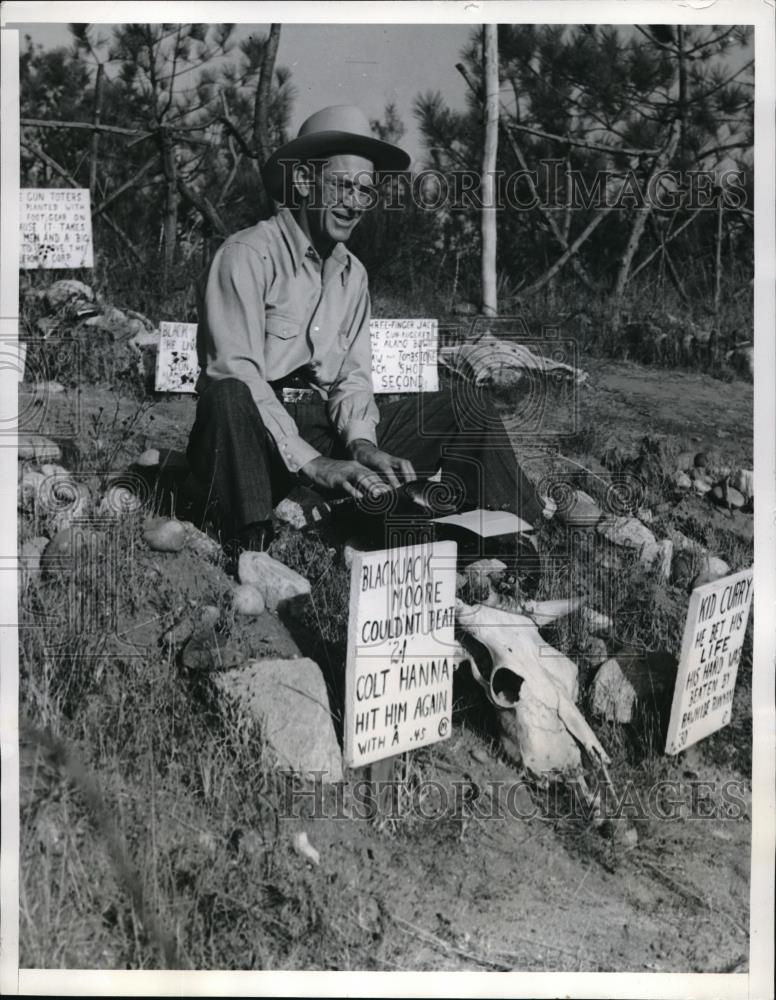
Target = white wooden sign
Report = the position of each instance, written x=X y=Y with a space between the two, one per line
x=399 y=673
x=404 y=355
x=711 y=650
x=177 y=369
x=56 y=228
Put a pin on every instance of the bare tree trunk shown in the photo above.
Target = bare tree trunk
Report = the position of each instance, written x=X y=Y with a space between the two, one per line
x=640 y=222
x=263 y=91
x=488 y=224
x=718 y=263
x=170 y=200
x=96 y=135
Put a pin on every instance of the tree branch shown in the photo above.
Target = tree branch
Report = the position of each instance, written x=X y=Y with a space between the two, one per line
x=203 y=206
x=89 y=126
x=132 y=182
x=568 y=141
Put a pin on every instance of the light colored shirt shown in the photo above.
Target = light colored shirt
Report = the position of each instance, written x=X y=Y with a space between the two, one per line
x=270 y=305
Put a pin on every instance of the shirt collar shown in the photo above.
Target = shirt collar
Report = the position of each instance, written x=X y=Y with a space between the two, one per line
x=299 y=245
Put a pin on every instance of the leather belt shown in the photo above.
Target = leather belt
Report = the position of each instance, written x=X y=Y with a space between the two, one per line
x=294 y=388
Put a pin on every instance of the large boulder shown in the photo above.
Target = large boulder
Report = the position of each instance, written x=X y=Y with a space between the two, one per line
x=288 y=699
x=632 y=682
x=275 y=582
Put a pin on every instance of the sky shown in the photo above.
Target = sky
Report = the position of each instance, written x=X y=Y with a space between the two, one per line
x=365 y=64
x=368 y=65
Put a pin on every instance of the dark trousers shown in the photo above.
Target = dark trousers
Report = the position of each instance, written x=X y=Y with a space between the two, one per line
x=236 y=466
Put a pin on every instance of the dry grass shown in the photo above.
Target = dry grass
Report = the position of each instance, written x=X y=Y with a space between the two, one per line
x=151 y=811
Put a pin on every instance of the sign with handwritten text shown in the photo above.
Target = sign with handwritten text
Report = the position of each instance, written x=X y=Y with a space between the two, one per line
x=711 y=651
x=177 y=369
x=401 y=650
x=404 y=355
x=55 y=228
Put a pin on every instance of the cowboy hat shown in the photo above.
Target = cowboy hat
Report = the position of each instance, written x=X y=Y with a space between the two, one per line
x=341 y=128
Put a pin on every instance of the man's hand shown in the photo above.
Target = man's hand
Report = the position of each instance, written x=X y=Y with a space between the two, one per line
x=393 y=469
x=335 y=474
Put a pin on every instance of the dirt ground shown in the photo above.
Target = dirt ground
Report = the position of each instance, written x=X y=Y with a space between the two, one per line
x=536 y=890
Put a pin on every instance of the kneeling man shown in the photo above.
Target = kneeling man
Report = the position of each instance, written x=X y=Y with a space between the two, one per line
x=285 y=391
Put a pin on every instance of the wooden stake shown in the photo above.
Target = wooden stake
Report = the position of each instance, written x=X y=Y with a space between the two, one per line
x=490 y=150
x=98 y=90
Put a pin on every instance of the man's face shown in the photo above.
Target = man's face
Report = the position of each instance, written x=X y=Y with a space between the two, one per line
x=342 y=193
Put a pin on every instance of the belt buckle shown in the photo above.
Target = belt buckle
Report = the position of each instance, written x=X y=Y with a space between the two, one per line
x=297 y=395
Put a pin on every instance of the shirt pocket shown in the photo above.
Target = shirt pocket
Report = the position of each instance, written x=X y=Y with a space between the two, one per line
x=280 y=326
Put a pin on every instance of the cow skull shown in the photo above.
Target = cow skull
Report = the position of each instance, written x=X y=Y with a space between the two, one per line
x=533 y=687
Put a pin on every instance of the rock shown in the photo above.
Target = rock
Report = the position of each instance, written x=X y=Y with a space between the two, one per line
x=290 y=512
x=596 y=622
x=67 y=548
x=626 y=682
x=583 y=512
x=353 y=545
x=683 y=567
x=162 y=534
x=199 y=623
x=274 y=581
x=30 y=490
x=29 y=560
x=712 y=568
x=701 y=485
x=743 y=480
x=685 y=460
x=65 y=290
x=660 y=556
x=683 y=481
x=144 y=339
x=66 y=500
x=630 y=533
x=481 y=756
x=200 y=543
x=595 y=651
x=303 y=847
x=119 y=501
x=208 y=616
x=149 y=459
x=288 y=698
x=700 y=461
x=52 y=470
x=742 y=359
x=645 y=515
x=247 y=600
x=37 y=448
x=727 y=496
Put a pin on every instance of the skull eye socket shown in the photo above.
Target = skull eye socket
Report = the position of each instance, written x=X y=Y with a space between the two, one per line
x=506 y=686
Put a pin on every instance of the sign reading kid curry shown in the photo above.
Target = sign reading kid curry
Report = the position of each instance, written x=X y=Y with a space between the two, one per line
x=399 y=674
x=711 y=651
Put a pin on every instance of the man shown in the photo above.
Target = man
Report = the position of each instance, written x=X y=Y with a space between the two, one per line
x=286 y=307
